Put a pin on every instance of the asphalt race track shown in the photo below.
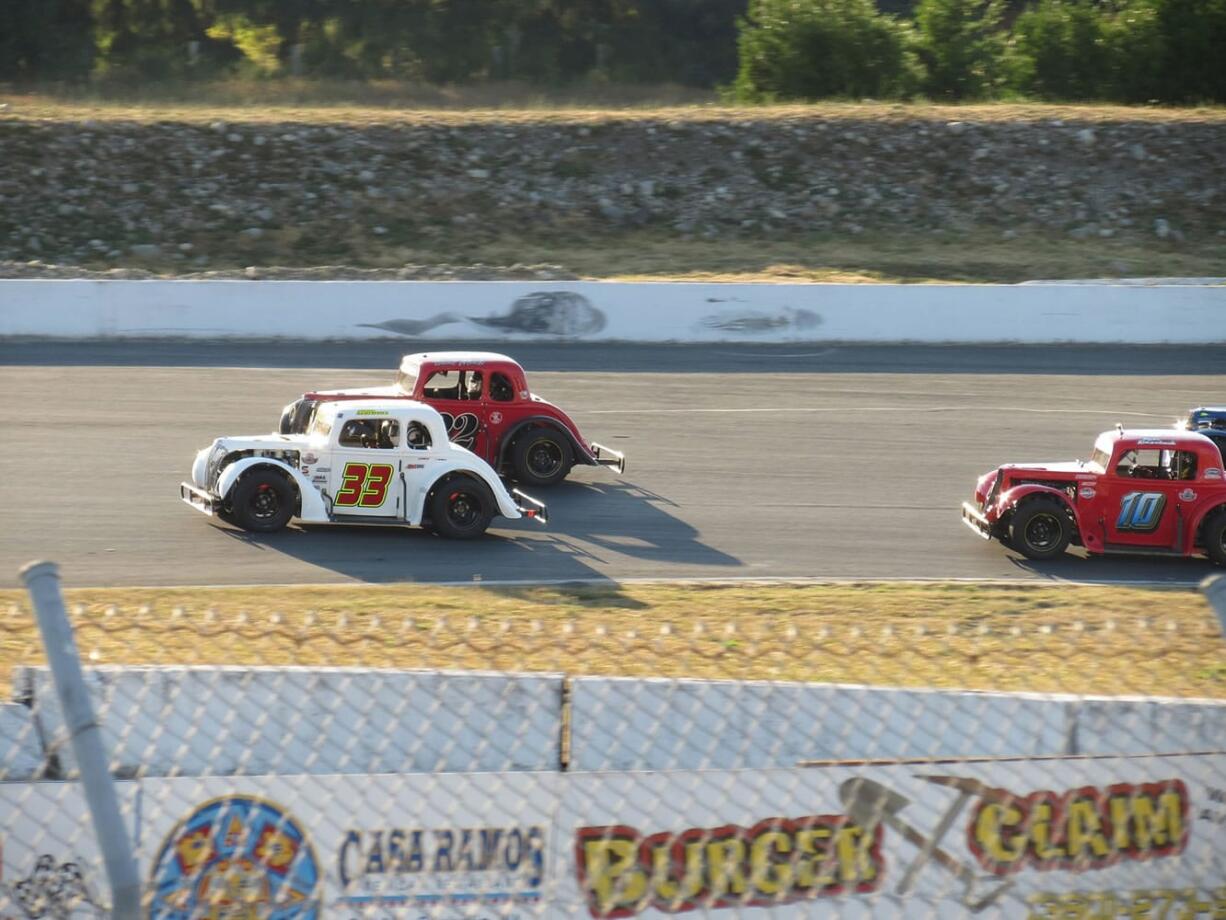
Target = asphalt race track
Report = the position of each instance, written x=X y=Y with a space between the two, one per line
x=744 y=461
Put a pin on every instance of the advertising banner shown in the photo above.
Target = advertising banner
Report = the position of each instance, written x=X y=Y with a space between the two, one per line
x=1039 y=839
x=385 y=846
x=1061 y=838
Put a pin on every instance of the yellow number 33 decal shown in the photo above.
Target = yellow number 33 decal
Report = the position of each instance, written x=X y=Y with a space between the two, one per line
x=364 y=485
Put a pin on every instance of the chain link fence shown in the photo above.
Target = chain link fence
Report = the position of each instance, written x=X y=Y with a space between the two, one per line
x=601 y=772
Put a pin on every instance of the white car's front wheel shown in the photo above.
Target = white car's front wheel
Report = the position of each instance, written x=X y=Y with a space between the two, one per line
x=262 y=501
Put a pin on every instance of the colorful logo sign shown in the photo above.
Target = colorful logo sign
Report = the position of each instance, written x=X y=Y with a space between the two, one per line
x=236 y=858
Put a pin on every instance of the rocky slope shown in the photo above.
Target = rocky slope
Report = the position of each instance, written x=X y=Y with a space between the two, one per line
x=196 y=196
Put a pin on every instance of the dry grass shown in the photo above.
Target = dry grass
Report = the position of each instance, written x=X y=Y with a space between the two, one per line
x=392 y=103
x=1080 y=639
x=905 y=256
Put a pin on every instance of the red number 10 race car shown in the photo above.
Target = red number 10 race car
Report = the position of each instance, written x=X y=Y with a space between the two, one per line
x=487 y=407
x=1141 y=492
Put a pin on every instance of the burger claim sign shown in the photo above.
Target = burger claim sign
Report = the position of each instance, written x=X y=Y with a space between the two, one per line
x=971 y=842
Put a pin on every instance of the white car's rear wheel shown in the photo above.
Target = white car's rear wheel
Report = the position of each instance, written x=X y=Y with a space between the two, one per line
x=461 y=508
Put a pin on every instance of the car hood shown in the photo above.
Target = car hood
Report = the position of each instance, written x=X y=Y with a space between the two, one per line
x=390 y=390
x=1065 y=466
x=263 y=442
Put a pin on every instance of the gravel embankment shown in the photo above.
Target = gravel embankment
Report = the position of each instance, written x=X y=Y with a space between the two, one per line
x=193 y=197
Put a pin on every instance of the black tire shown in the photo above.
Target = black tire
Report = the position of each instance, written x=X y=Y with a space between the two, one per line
x=1214 y=537
x=461 y=508
x=262 y=501
x=1040 y=529
x=541 y=457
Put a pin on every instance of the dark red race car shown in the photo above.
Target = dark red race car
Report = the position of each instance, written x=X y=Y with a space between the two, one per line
x=486 y=404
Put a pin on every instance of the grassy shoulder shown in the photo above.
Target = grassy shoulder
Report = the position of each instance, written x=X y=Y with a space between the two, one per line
x=1066 y=638
x=976 y=257
x=368 y=103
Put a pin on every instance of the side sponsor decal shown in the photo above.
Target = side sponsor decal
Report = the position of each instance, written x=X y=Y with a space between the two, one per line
x=426 y=868
x=777 y=861
x=1187 y=495
x=236 y=856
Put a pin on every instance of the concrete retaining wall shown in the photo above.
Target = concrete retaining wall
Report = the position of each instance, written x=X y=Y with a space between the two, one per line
x=245 y=721
x=251 y=721
x=594 y=311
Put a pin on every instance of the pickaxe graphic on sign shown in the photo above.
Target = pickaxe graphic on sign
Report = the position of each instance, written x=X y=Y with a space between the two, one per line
x=869 y=803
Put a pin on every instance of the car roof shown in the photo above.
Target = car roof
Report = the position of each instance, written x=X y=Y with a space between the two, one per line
x=381 y=406
x=1207 y=413
x=1160 y=437
x=414 y=361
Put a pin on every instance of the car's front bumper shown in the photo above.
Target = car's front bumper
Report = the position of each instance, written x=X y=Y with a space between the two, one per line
x=973 y=518
x=200 y=499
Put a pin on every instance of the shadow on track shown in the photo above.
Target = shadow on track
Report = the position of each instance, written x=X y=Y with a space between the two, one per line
x=1080 y=567
x=589 y=525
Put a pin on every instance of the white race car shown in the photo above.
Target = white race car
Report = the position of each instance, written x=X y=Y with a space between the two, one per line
x=383 y=462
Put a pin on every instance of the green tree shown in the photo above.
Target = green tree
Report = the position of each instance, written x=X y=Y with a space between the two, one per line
x=962 y=46
x=1059 y=50
x=46 y=39
x=814 y=49
x=1194 y=49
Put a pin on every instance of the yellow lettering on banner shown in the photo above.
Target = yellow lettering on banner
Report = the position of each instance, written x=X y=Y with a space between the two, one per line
x=813 y=869
x=1085 y=829
x=664 y=885
x=1041 y=833
x=726 y=865
x=990 y=832
x=1160 y=825
x=855 y=861
x=613 y=875
x=767 y=874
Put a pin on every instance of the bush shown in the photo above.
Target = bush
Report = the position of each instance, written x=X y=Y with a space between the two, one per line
x=1136 y=52
x=962 y=47
x=1059 y=51
x=1194 y=49
x=811 y=49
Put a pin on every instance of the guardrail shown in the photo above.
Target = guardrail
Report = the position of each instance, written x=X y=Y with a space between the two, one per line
x=634 y=312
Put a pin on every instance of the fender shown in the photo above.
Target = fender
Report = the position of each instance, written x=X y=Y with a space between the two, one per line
x=415 y=503
x=1009 y=500
x=583 y=453
x=310 y=502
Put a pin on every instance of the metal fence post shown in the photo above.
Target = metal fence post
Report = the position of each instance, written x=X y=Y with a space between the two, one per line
x=1214 y=589
x=42 y=580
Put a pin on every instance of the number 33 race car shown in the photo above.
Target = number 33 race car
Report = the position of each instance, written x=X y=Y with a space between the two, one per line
x=386 y=462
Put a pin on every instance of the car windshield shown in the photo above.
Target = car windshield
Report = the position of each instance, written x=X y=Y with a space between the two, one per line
x=1099 y=459
x=406 y=376
x=322 y=425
